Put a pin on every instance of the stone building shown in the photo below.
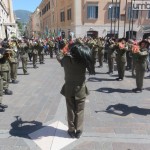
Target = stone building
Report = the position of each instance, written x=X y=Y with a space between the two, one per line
x=92 y=18
x=8 y=27
x=33 y=26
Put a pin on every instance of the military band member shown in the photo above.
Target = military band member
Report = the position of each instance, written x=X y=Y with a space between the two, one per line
x=13 y=61
x=121 y=49
x=74 y=89
x=30 y=51
x=51 y=48
x=41 y=52
x=5 y=68
x=111 y=56
x=92 y=44
x=140 y=55
x=101 y=46
x=24 y=56
x=2 y=106
x=35 y=54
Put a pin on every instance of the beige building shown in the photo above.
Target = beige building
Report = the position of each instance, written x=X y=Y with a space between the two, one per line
x=92 y=17
x=33 y=26
x=8 y=27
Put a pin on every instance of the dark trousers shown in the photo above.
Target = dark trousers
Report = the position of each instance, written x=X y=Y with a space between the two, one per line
x=111 y=61
x=75 y=113
x=30 y=56
x=24 y=64
x=34 y=59
x=41 y=58
x=13 y=71
x=121 y=69
x=140 y=72
x=101 y=57
x=1 y=89
x=5 y=78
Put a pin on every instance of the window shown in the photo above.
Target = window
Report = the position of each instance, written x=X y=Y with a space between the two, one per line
x=132 y=14
x=148 y=14
x=92 y=11
x=62 y=16
x=114 y=11
x=46 y=8
x=69 y=14
x=49 y=5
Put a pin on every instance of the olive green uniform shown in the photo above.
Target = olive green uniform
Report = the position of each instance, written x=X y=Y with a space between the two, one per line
x=51 y=48
x=111 y=58
x=5 y=72
x=121 y=61
x=101 y=50
x=13 y=61
x=75 y=92
x=140 y=65
x=1 y=89
x=41 y=54
x=93 y=46
x=35 y=55
x=24 y=56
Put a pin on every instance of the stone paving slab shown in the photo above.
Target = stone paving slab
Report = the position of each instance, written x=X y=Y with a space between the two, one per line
x=37 y=101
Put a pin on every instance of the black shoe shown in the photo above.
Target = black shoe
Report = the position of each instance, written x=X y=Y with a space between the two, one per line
x=78 y=134
x=119 y=79
x=2 y=109
x=3 y=106
x=26 y=73
x=137 y=90
x=15 y=81
x=71 y=134
x=8 y=92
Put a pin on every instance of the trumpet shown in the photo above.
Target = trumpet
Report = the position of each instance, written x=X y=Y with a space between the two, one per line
x=135 y=49
x=8 y=53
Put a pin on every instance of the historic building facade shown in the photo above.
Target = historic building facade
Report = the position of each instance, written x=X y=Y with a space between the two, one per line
x=8 y=27
x=81 y=18
x=33 y=27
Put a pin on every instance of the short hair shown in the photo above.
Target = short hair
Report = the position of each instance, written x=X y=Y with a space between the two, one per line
x=82 y=54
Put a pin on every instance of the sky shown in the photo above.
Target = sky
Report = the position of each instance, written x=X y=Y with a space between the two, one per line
x=29 y=5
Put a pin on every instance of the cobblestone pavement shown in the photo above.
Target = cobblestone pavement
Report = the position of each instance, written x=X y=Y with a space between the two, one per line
x=37 y=102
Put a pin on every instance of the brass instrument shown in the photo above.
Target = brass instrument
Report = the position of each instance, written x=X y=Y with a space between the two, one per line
x=8 y=53
x=135 y=48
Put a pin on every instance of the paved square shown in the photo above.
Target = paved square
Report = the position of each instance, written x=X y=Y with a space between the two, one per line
x=37 y=105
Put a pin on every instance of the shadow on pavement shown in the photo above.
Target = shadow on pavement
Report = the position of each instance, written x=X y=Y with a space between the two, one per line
x=132 y=77
x=113 y=90
x=94 y=79
x=148 y=88
x=125 y=110
x=20 y=74
x=24 y=128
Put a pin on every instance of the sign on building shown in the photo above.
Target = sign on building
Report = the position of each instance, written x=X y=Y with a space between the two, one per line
x=140 y=4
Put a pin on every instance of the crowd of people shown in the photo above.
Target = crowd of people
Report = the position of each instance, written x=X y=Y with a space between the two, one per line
x=13 y=52
x=82 y=54
x=75 y=55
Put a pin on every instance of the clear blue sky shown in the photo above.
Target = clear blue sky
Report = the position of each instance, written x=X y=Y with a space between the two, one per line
x=30 y=5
